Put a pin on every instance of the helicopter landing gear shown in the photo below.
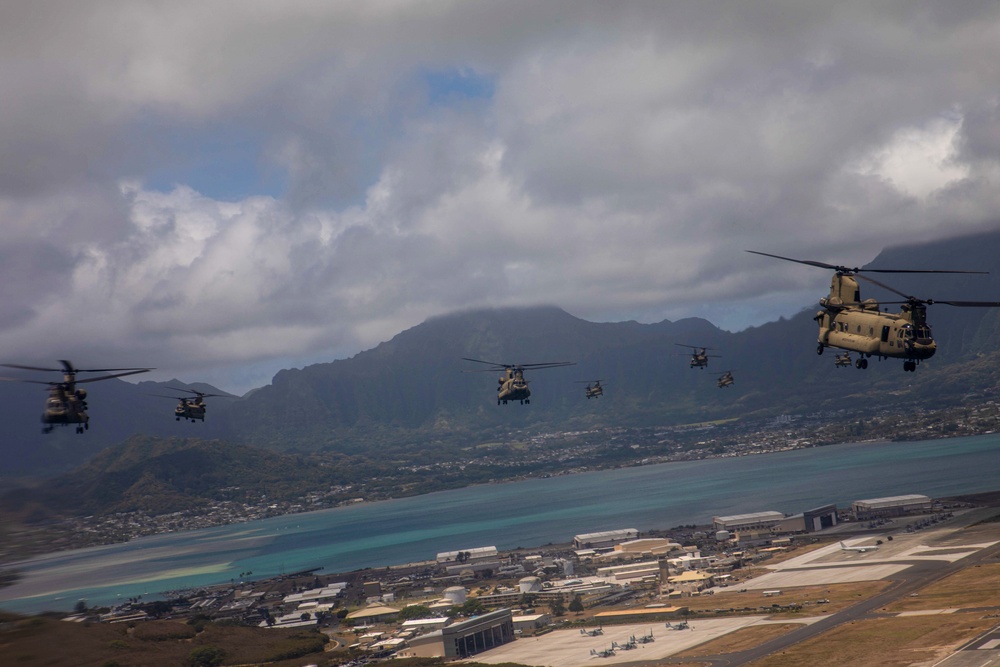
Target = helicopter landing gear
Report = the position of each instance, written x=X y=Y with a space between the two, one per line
x=909 y=366
x=47 y=429
x=819 y=348
x=861 y=364
x=79 y=429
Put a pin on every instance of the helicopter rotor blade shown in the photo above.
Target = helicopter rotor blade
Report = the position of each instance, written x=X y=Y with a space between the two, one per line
x=846 y=269
x=32 y=368
x=480 y=361
x=108 y=377
x=891 y=289
x=551 y=364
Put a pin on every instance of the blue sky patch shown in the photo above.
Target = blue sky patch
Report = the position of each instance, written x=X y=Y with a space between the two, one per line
x=451 y=86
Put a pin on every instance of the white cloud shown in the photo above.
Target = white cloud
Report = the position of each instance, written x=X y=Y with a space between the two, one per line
x=919 y=161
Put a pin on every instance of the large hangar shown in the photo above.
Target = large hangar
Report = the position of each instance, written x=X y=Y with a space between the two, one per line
x=465 y=638
x=875 y=508
x=604 y=539
x=755 y=521
x=820 y=518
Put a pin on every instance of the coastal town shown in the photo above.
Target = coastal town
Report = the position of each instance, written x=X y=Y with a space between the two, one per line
x=609 y=592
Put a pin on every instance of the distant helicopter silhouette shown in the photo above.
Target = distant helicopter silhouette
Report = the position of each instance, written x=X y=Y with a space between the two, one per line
x=592 y=390
x=190 y=408
x=699 y=355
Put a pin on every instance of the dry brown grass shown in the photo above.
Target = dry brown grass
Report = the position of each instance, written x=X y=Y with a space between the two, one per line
x=977 y=586
x=883 y=642
x=741 y=640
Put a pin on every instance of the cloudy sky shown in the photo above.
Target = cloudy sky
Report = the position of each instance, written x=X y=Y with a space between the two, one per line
x=224 y=189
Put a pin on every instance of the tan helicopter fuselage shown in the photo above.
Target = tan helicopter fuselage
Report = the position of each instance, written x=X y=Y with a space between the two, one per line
x=513 y=386
x=850 y=324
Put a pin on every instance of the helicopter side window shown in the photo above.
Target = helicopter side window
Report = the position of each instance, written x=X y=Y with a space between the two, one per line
x=885 y=334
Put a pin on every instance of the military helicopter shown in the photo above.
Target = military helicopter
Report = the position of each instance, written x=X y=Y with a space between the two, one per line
x=512 y=385
x=725 y=380
x=842 y=360
x=848 y=323
x=699 y=355
x=593 y=390
x=190 y=408
x=66 y=404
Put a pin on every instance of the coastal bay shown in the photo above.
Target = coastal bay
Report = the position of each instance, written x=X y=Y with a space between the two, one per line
x=525 y=513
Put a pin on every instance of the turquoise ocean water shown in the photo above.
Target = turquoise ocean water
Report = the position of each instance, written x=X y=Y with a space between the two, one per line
x=525 y=513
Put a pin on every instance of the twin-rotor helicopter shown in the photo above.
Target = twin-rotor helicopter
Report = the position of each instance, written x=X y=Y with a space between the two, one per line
x=593 y=388
x=66 y=404
x=699 y=355
x=190 y=408
x=848 y=323
x=512 y=386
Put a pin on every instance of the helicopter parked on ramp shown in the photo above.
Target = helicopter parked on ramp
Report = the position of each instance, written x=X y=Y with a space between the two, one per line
x=66 y=403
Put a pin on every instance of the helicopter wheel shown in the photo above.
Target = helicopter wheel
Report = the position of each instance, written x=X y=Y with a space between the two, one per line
x=819 y=348
x=909 y=366
x=86 y=426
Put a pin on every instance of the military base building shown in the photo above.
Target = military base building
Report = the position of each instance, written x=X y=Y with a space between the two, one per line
x=876 y=508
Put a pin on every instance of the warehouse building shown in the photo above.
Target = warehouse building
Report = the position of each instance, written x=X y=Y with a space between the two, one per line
x=754 y=522
x=605 y=539
x=875 y=508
